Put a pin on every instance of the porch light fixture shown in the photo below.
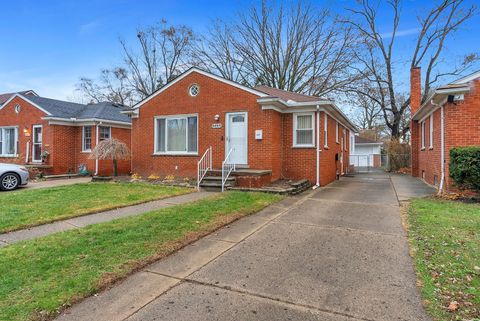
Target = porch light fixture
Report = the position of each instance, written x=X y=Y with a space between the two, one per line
x=216 y=117
x=26 y=132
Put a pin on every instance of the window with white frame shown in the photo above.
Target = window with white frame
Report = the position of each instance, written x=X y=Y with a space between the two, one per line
x=422 y=124
x=325 y=131
x=176 y=134
x=303 y=130
x=8 y=141
x=430 y=140
x=104 y=133
x=87 y=138
x=336 y=132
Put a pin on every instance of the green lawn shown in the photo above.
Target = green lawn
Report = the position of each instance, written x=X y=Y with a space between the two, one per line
x=26 y=208
x=445 y=238
x=39 y=277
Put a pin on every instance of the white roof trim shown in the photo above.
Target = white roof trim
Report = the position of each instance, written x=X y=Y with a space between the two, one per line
x=27 y=100
x=82 y=121
x=466 y=79
x=207 y=74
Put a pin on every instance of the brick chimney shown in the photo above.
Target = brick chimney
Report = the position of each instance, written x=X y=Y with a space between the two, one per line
x=415 y=89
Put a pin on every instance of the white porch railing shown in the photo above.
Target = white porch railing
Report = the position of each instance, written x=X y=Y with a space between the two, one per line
x=204 y=165
x=227 y=168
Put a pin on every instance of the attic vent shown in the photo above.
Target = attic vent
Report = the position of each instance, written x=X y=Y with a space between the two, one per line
x=194 y=90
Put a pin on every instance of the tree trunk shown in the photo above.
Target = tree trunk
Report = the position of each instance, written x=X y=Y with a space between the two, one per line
x=115 y=168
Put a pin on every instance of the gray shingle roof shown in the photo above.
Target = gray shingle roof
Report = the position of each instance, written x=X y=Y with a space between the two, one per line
x=68 y=110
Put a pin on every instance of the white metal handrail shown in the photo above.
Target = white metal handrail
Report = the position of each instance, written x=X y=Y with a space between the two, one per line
x=227 y=168
x=204 y=165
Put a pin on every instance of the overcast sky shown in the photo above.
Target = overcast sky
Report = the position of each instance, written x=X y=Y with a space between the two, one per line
x=48 y=45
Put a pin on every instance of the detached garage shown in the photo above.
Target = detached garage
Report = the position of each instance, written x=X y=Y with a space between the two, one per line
x=366 y=153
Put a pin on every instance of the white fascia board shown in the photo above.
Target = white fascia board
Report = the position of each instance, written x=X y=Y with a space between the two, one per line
x=85 y=122
x=204 y=73
x=27 y=100
x=446 y=91
x=466 y=79
x=311 y=106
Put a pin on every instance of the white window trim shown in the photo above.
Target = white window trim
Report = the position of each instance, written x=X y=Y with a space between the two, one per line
x=422 y=136
x=312 y=115
x=336 y=133
x=325 y=131
x=85 y=150
x=3 y=142
x=431 y=132
x=109 y=131
x=155 y=131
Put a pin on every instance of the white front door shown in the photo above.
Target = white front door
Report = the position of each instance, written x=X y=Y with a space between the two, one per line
x=37 y=143
x=237 y=138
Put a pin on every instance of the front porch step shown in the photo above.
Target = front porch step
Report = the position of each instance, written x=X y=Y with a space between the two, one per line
x=60 y=176
x=214 y=183
x=241 y=172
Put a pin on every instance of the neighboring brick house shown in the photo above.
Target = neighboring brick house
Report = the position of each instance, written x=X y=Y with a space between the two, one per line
x=31 y=125
x=266 y=129
x=449 y=118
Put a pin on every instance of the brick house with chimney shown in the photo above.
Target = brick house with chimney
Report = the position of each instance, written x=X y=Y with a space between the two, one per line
x=32 y=126
x=449 y=118
x=201 y=123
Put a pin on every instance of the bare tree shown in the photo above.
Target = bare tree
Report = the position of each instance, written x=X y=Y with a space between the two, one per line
x=300 y=48
x=376 y=61
x=112 y=86
x=367 y=113
x=162 y=55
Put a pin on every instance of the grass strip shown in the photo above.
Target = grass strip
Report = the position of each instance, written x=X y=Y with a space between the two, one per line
x=445 y=240
x=26 y=208
x=40 y=277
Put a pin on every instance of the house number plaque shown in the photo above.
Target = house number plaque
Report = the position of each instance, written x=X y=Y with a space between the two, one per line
x=216 y=125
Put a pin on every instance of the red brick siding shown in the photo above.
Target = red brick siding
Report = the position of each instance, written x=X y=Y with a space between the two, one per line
x=29 y=115
x=273 y=152
x=64 y=143
x=214 y=98
x=462 y=128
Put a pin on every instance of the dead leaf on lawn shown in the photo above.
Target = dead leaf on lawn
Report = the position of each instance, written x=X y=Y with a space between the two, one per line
x=453 y=306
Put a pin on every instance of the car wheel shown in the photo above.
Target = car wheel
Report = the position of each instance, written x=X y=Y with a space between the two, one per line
x=9 y=181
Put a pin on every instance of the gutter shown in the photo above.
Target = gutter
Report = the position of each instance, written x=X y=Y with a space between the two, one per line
x=317 y=184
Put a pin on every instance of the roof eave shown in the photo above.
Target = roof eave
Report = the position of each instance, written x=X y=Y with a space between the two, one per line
x=438 y=97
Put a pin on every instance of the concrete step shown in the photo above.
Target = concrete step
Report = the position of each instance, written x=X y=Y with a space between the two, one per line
x=217 y=178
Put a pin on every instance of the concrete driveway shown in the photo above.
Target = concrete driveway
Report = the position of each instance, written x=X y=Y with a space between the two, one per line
x=336 y=254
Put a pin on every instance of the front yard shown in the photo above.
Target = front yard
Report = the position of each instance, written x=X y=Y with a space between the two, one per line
x=445 y=239
x=39 y=277
x=26 y=208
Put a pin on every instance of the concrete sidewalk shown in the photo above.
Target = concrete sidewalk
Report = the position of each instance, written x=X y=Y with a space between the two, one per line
x=335 y=254
x=82 y=221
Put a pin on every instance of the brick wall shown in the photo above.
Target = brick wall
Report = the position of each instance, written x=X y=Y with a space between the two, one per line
x=28 y=116
x=64 y=143
x=462 y=128
x=273 y=152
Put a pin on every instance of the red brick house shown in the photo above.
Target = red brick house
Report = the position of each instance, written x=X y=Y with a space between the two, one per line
x=449 y=118
x=32 y=126
x=264 y=131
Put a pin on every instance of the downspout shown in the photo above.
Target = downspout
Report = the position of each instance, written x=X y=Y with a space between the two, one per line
x=442 y=146
x=96 y=143
x=317 y=184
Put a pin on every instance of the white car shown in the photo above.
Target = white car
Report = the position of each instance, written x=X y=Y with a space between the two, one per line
x=12 y=176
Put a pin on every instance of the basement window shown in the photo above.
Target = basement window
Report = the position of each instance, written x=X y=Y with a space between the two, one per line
x=303 y=130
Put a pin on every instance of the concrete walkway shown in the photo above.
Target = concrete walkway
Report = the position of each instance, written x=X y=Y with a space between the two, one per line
x=335 y=254
x=82 y=221
x=56 y=182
